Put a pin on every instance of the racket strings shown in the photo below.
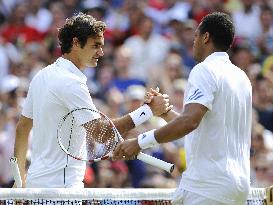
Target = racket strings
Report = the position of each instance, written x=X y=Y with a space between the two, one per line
x=89 y=141
x=100 y=138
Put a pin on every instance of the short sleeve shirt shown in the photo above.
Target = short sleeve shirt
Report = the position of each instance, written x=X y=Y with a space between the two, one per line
x=54 y=91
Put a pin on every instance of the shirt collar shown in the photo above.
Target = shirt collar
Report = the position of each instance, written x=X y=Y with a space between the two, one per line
x=222 y=55
x=70 y=67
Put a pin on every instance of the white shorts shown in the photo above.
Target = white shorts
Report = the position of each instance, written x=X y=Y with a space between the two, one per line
x=184 y=197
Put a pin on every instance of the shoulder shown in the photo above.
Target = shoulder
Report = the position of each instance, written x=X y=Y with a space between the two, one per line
x=202 y=70
x=243 y=76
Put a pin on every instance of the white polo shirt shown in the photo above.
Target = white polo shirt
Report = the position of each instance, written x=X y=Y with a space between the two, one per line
x=218 y=151
x=53 y=92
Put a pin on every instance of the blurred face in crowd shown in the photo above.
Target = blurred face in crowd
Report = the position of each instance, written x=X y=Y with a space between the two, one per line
x=188 y=35
x=88 y=55
x=173 y=66
x=242 y=58
x=264 y=91
x=19 y=14
x=247 y=3
x=122 y=58
x=266 y=18
x=146 y=27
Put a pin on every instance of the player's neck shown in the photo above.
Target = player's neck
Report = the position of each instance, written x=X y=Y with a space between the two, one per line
x=209 y=51
x=73 y=59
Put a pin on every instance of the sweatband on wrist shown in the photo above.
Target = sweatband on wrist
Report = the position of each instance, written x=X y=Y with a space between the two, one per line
x=147 y=139
x=141 y=114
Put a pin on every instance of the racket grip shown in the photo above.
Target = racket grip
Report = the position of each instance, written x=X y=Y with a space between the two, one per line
x=168 y=167
x=15 y=172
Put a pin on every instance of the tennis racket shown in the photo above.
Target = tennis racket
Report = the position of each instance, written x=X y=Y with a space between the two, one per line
x=15 y=172
x=95 y=140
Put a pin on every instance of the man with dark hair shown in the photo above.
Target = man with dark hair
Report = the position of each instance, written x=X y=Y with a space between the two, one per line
x=216 y=120
x=55 y=91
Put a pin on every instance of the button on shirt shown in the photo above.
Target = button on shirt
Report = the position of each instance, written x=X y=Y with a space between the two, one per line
x=218 y=165
x=53 y=92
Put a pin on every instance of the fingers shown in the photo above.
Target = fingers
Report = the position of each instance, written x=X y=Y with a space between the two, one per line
x=118 y=153
x=155 y=91
x=169 y=108
x=148 y=97
x=165 y=95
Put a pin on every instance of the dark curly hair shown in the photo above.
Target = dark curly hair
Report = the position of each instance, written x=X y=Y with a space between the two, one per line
x=81 y=26
x=220 y=28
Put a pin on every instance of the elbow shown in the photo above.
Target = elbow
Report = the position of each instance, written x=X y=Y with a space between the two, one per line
x=19 y=129
x=194 y=124
x=23 y=126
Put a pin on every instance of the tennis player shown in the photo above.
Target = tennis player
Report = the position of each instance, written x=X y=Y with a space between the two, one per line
x=58 y=89
x=216 y=121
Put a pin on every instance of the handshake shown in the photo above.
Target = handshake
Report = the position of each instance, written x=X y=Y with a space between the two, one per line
x=159 y=105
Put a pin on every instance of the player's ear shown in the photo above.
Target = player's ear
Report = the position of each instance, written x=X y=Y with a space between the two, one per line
x=206 y=37
x=76 y=42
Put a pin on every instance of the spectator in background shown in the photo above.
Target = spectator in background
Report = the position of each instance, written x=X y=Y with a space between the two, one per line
x=263 y=101
x=16 y=31
x=104 y=77
x=4 y=59
x=177 y=94
x=123 y=79
x=265 y=38
x=242 y=55
x=58 y=12
x=262 y=155
x=171 y=70
x=182 y=40
x=149 y=49
x=267 y=69
x=245 y=18
x=38 y=17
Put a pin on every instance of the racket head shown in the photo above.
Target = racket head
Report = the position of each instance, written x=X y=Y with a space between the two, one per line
x=87 y=134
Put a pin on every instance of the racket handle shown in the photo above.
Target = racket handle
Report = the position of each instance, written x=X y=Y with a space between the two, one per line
x=168 y=167
x=15 y=172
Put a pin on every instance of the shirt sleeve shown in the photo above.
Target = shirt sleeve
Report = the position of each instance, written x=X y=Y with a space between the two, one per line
x=28 y=104
x=201 y=87
x=76 y=96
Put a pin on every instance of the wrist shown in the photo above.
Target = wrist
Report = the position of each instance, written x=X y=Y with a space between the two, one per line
x=147 y=140
x=141 y=115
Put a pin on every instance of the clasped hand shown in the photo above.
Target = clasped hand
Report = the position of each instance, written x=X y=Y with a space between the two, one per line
x=159 y=104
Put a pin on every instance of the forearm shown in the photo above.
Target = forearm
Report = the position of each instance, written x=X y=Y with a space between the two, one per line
x=20 y=151
x=169 y=116
x=124 y=124
x=175 y=129
x=21 y=143
x=133 y=119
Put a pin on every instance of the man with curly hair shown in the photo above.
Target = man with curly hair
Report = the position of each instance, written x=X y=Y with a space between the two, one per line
x=58 y=89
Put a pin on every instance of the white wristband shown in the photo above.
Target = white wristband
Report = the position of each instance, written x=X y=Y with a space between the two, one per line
x=147 y=140
x=141 y=114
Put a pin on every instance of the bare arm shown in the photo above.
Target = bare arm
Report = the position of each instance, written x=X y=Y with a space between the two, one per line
x=159 y=104
x=175 y=129
x=21 y=143
x=169 y=115
x=124 y=124
x=183 y=124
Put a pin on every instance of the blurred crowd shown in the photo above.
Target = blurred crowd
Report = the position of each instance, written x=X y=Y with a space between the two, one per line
x=148 y=43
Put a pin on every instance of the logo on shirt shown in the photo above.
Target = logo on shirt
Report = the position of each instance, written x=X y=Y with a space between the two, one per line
x=143 y=113
x=143 y=136
x=196 y=95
